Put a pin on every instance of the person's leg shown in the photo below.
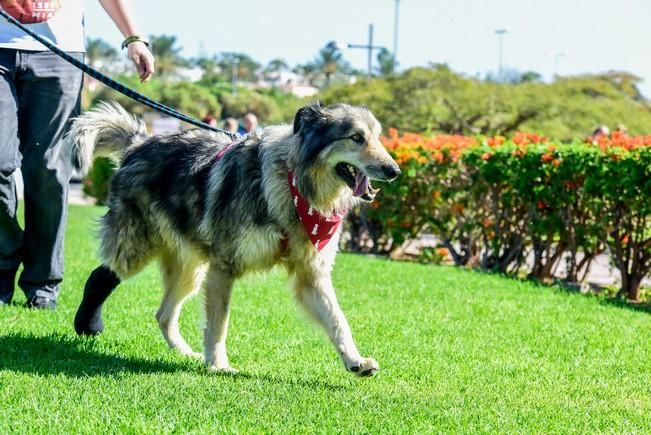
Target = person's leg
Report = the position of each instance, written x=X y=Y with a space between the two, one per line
x=49 y=89
x=10 y=233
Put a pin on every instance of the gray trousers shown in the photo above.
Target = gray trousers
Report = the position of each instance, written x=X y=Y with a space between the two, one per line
x=39 y=92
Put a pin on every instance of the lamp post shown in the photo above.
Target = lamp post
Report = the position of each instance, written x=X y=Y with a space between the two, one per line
x=370 y=47
x=235 y=69
x=500 y=35
x=396 y=23
x=557 y=59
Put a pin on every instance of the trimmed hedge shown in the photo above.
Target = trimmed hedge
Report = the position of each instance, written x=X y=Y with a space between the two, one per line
x=493 y=201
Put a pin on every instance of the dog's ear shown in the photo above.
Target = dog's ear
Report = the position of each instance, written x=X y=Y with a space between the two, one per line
x=306 y=114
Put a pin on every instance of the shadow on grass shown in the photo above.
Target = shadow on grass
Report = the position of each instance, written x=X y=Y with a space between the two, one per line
x=599 y=293
x=596 y=291
x=312 y=384
x=75 y=357
x=643 y=307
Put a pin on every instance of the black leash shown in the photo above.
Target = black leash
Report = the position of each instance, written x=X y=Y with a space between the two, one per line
x=116 y=85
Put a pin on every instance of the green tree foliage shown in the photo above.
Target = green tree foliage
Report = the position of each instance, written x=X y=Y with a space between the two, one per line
x=211 y=72
x=191 y=98
x=436 y=99
x=242 y=64
x=237 y=105
x=98 y=50
x=152 y=89
x=530 y=76
x=167 y=54
x=197 y=99
x=309 y=70
x=330 y=61
x=386 y=62
x=274 y=68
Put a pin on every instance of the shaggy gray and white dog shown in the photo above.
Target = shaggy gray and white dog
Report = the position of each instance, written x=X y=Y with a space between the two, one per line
x=210 y=211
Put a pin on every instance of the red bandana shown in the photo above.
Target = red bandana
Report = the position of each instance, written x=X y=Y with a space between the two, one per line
x=319 y=228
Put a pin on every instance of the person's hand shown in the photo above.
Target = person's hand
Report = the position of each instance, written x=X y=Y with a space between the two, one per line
x=142 y=58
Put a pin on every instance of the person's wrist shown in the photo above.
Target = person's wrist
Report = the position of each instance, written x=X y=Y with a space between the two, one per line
x=131 y=39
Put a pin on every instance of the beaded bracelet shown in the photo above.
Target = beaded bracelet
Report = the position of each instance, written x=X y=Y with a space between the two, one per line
x=131 y=39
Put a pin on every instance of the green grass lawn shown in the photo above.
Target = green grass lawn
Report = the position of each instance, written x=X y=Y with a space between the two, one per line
x=459 y=352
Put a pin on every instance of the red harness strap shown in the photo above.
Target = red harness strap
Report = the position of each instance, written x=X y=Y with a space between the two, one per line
x=222 y=151
x=319 y=228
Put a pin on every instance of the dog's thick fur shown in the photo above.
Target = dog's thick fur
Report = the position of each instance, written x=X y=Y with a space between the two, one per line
x=212 y=220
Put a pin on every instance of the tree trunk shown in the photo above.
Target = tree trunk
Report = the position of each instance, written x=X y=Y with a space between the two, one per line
x=631 y=286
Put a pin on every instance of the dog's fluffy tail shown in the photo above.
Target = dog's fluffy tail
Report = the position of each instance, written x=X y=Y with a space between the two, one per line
x=106 y=131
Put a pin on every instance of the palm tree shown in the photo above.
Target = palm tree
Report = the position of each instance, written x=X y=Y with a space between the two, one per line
x=330 y=60
x=167 y=54
x=211 y=73
x=276 y=65
x=99 y=50
x=274 y=68
x=309 y=71
x=386 y=62
x=242 y=64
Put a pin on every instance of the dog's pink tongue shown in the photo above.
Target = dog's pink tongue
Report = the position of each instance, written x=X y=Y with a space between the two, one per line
x=361 y=184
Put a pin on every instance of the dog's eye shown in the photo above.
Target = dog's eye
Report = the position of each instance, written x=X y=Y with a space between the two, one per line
x=357 y=138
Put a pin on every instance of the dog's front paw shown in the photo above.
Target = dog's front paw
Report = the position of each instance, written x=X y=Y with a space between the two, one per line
x=226 y=370
x=192 y=354
x=364 y=367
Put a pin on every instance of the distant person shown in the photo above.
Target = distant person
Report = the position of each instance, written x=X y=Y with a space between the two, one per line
x=601 y=131
x=39 y=93
x=231 y=124
x=622 y=130
x=210 y=120
x=250 y=124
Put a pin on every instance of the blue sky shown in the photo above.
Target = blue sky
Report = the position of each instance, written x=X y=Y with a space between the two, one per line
x=594 y=36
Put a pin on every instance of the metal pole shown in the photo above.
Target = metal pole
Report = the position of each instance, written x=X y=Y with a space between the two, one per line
x=501 y=68
x=557 y=58
x=500 y=34
x=395 y=35
x=234 y=75
x=370 y=50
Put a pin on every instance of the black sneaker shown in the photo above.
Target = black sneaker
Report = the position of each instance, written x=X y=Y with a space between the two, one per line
x=41 y=303
x=7 y=279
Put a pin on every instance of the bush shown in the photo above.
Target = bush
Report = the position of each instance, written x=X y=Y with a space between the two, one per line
x=197 y=99
x=191 y=99
x=238 y=105
x=96 y=183
x=491 y=201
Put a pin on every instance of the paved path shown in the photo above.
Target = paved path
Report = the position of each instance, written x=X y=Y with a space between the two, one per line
x=602 y=273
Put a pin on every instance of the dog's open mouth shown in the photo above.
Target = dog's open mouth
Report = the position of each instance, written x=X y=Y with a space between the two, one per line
x=357 y=181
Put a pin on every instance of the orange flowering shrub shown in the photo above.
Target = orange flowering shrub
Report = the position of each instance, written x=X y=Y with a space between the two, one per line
x=493 y=200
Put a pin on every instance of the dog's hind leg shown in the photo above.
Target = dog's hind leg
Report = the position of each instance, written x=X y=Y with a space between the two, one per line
x=180 y=280
x=218 y=287
x=125 y=250
x=99 y=286
x=315 y=292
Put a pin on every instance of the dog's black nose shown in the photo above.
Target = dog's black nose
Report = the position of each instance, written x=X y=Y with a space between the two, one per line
x=391 y=171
